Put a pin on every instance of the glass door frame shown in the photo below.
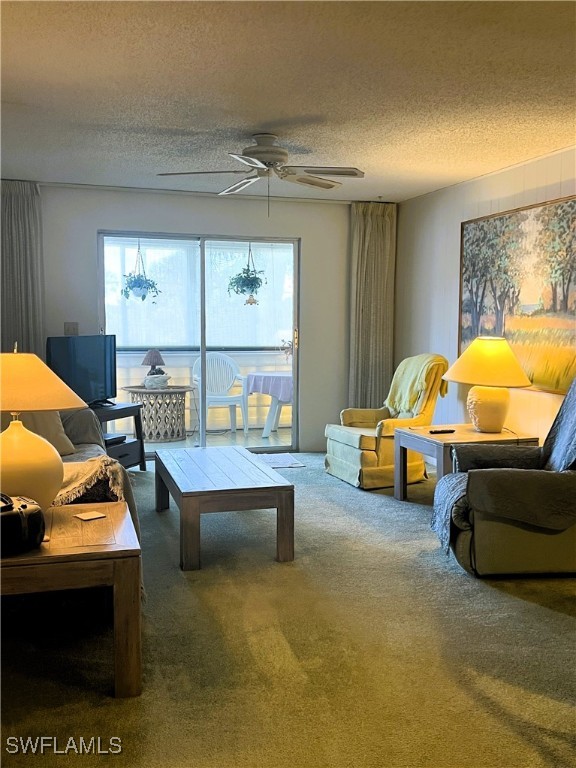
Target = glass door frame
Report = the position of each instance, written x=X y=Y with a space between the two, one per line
x=202 y=240
x=295 y=333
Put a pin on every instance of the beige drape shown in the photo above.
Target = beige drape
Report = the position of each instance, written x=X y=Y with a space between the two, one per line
x=22 y=285
x=373 y=264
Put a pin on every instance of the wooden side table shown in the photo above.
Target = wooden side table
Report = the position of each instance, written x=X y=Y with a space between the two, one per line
x=93 y=553
x=439 y=447
x=163 y=412
x=130 y=452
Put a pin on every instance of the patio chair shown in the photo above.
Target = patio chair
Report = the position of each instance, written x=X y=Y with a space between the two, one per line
x=222 y=373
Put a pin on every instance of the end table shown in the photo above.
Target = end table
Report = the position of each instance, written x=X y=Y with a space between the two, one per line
x=439 y=446
x=163 y=412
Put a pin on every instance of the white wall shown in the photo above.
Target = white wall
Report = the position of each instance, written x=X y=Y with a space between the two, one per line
x=428 y=272
x=73 y=216
x=427 y=275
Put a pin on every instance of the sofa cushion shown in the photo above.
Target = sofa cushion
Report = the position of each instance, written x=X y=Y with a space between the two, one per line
x=48 y=425
x=85 y=451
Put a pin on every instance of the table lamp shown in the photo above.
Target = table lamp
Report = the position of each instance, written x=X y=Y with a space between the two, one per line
x=490 y=365
x=156 y=378
x=30 y=465
x=153 y=358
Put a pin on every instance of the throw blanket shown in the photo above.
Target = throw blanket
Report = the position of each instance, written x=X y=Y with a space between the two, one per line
x=410 y=381
x=98 y=479
x=449 y=503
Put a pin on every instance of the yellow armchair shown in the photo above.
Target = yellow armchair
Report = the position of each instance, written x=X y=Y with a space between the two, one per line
x=360 y=450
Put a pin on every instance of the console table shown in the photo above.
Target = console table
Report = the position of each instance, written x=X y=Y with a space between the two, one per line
x=439 y=446
x=163 y=412
x=129 y=452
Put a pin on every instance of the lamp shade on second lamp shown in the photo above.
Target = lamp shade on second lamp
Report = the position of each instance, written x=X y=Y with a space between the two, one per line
x=492 y=367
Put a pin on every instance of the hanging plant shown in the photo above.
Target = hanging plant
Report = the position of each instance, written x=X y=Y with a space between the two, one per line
x=248 y=281
x=136 y=282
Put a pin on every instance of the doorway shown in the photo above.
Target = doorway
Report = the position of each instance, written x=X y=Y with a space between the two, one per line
x=203 y=307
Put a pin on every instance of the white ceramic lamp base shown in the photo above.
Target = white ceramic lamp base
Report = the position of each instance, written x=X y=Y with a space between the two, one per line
x=487 y=408
x=30 y=465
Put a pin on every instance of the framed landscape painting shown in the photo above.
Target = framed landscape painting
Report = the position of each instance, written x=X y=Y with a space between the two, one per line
x=518 y=280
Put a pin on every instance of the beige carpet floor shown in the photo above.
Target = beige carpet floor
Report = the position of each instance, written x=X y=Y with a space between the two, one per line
x=371 y=650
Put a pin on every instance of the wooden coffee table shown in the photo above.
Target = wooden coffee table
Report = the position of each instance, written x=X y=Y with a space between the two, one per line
x=439 y=447
x=202 y=480
x=77 y=554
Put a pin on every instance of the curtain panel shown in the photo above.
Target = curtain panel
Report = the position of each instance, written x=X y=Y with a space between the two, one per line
x=373 y=267
x=22 y=285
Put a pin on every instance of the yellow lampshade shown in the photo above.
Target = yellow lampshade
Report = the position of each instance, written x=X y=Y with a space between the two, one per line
x=29 y=465
x=27 y=384
x=490 y=362
x=491 y=365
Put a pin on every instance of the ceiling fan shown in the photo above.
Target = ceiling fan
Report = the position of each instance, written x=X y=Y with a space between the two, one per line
x=267 y=157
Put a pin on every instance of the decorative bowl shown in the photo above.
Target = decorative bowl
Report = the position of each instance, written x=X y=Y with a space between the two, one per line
x=160 y=381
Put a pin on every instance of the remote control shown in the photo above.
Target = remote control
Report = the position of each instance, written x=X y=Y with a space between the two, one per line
x=441 y=431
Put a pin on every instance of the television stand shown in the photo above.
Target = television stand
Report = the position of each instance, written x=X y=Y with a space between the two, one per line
x=130 y=451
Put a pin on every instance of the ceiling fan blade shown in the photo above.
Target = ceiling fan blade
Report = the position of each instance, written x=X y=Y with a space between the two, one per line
x=196 y=173
x=239 y=186
x=311 y=181
x=251 y=161
x=351 y=173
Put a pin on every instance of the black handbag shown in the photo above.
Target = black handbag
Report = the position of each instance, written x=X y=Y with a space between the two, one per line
x=22 y=525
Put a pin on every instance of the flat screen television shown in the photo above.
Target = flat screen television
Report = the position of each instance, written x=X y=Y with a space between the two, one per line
x=86 y=363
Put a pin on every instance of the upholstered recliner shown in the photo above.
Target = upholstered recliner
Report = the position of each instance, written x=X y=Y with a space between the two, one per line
x=512 y=509
x=360 y=450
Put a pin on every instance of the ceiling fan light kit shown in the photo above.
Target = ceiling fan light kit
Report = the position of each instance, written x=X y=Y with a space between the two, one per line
x=267 y=157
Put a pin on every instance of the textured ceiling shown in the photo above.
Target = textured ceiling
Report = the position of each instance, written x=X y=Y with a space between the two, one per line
x=419 y=95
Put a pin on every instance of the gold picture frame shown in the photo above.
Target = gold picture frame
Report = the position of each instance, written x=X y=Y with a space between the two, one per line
x=518 y=280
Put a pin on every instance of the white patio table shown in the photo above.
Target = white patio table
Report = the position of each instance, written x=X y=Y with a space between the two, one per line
x=277 y=384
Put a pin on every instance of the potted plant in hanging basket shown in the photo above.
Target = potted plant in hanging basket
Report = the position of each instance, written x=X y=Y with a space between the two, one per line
x=136 y=283
x=139 y=286
x=248 y=281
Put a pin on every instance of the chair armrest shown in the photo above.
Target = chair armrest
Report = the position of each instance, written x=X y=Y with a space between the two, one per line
x=537 y=497
x=82 y=426
x=363 y=417
x=468 y=456
x=386 y=428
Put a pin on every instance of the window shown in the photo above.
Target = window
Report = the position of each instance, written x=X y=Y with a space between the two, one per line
x=172 y=319
x=257 y=336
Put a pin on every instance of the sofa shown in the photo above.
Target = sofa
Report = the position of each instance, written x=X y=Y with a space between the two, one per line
x=90 y=475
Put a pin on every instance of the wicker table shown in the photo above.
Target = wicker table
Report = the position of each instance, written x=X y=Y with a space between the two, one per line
x=163 y=412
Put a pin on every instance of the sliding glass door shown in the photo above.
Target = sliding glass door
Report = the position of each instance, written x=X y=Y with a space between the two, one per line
x=223 y=317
